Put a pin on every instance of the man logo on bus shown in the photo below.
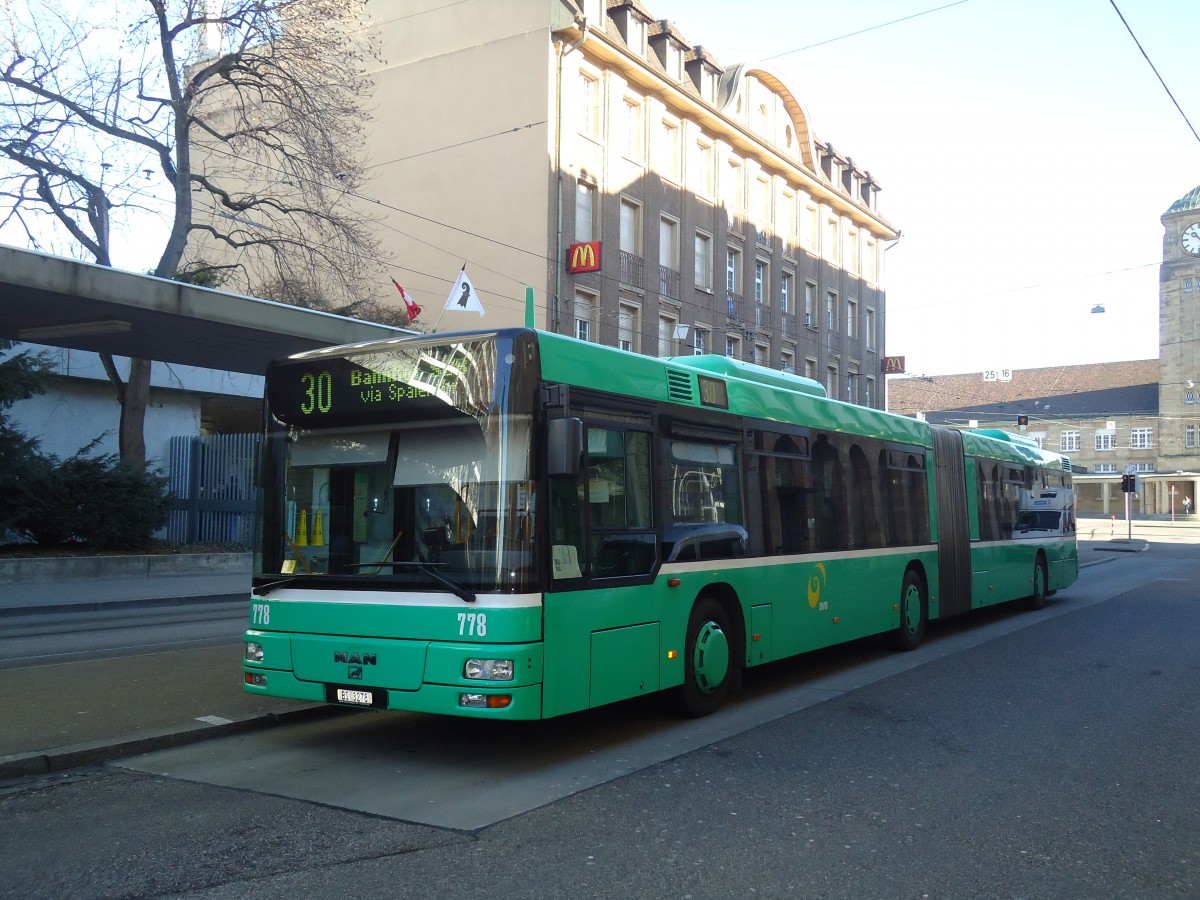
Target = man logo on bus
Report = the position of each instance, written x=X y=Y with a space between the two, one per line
x=815 y=584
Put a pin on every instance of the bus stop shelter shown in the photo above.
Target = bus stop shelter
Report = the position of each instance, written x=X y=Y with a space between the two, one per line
x=66 y=303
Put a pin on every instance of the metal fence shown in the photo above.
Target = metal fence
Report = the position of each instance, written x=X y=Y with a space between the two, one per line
x=213 y=479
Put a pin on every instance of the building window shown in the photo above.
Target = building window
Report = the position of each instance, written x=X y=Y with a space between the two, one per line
x=669 y=160
x=786 y=224
x=787 y=361
x=761 y=295
x=830 y=245
x=851 y=319
x=735 y=186
x=668 y=257
x=762 y=354
x=786 y=280
x=702 y=178
x=1068 y=441
x=831 y=381
x=704 y=261
x=868 y=392
x=589 y=104
x=810 y=369
x=851 y=259
x=1106 y=440
x=831 y=312
x=634 y=129
x=871 y=260
x=585 y=316
x=629 y=328
x=666 y=335
x=1189 y=436
x=631 y=227
x=733 y=270
x=1105 y=468
x=631 y=243
x=852 y=379
x=585 y=212
x=668 y=242
x=762 y=203
x=808 y=227
x=810 y=304
x=869 y=329
x=1141 y=438
x=733 y=346
x=700 y=341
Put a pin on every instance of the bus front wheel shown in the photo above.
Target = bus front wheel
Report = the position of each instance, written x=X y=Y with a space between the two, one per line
x=914 y=612
x=708 y=659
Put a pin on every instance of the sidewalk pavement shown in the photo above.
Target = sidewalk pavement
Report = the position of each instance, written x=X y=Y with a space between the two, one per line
x=60 y=716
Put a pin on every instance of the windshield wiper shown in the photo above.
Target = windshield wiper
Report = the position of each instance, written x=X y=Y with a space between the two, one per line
x=430 y=569
x=264 y=589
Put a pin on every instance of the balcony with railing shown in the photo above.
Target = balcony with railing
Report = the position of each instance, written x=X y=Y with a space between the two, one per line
x=733 y=305
x=632 y=268
x=787 y=325
x=668 y=282
x=833 y=341
x=762 y=315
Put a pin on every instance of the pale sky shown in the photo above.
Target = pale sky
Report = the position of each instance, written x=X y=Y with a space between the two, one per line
x=1026 y=150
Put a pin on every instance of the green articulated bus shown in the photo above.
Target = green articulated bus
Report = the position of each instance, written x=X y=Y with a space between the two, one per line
x=516 y=524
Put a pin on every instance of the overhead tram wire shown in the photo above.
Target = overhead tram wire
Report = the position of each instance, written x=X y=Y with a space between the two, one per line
x=1154 y=69
x=864 y=30
x=459 y=144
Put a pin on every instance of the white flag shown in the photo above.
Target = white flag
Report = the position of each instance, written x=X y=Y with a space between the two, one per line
x=463 y=297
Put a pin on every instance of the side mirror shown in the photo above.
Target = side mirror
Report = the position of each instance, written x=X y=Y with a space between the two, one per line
x=564 y=444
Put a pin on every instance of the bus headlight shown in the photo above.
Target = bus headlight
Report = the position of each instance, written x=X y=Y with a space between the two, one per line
x=484 y=701
x=488 y=669
x=254 y=651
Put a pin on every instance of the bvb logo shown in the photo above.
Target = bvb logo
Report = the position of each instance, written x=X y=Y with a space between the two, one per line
x=815 y=585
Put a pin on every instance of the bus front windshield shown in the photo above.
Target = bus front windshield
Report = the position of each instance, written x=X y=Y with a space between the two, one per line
x=437 y=496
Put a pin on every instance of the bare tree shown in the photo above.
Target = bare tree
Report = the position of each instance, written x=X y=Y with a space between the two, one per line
x=232 y=133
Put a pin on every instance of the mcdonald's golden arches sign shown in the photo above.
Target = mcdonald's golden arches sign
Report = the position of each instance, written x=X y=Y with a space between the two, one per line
x=583 y=257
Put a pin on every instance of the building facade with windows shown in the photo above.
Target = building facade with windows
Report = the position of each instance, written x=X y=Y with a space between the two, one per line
x=655 y=199
x=1139 y=417
x=725 y=225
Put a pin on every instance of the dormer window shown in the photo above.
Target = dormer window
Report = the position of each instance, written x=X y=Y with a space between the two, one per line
x=631 y=25
x=703 y=71
x=669 y=47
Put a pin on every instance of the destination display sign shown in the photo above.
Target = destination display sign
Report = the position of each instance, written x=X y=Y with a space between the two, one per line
x=373 y=387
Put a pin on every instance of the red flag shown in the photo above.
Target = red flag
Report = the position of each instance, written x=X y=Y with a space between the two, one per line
x=413 y=309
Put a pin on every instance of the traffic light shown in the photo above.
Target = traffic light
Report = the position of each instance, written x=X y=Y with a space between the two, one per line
x=1129 y=484
x=1022 y=421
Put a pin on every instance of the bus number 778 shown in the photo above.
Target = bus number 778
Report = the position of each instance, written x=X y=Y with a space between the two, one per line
x=472 y=624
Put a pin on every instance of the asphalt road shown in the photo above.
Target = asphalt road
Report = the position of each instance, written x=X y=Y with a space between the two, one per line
x=1026 y=755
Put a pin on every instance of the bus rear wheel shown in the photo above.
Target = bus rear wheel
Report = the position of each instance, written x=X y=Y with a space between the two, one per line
x=1037 y=600
x=914 y=612
x=709 y=664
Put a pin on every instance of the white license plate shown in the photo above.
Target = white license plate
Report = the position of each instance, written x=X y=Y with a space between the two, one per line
x=361 y=698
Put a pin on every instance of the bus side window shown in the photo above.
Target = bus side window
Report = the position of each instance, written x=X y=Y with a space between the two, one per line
x=704 y=482
x=784 y=476
x=619 y=500
x=829 y=492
